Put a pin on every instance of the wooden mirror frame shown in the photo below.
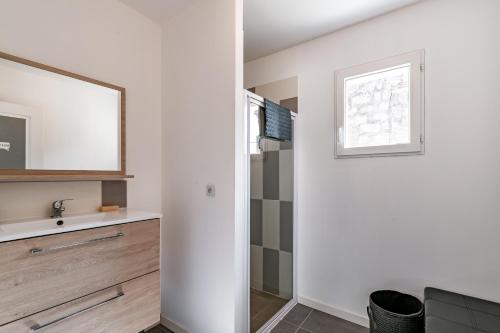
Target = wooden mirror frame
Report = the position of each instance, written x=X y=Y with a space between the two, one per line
x=28 y=175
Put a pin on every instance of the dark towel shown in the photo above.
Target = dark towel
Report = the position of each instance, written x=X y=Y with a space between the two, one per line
x=278 y=122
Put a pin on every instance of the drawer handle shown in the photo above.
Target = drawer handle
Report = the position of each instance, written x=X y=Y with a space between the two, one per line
x=38 y=250
x=38 y=327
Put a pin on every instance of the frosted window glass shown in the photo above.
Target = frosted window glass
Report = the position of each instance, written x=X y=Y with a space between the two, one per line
x=377 y=108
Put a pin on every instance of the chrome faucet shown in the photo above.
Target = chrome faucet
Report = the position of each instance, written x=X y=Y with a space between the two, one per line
x=58 y=208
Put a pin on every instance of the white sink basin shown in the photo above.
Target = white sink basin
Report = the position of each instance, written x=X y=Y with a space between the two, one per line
x=48 y=224
x=13 y=230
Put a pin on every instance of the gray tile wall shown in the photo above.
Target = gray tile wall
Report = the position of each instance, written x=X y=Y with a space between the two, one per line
x=271 y=171
x=256 y=222
x=271 y=271
x=114 y=193
x=286 y=226
x=271 y=219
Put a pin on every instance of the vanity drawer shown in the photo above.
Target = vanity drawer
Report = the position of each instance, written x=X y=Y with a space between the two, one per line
x=127 y=308
x=43 y=272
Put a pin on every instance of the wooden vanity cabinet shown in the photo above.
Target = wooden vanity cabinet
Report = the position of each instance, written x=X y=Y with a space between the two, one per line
x=128 y=307
x=95 y=280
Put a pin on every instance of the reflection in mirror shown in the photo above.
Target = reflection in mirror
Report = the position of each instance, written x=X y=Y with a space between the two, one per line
x=49 y=121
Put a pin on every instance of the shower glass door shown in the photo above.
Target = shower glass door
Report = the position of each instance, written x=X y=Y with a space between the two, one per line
x=271 y=223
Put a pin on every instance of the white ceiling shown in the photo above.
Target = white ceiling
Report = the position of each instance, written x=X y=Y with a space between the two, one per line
x=158 y=10
x=274 y=25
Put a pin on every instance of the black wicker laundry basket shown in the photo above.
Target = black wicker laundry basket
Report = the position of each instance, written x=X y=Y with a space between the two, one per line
x=393 y=312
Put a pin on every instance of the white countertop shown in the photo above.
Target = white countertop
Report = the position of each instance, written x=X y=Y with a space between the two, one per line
x=27 y=228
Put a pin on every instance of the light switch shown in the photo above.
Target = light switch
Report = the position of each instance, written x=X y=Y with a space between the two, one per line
x=5 y=146
x=210 y=190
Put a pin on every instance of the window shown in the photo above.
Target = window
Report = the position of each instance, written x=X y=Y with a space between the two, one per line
x=379 y=107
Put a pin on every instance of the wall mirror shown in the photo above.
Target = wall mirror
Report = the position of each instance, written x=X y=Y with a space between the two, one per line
x=53 y=122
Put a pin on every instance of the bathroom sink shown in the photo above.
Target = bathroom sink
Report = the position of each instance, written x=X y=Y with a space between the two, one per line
x=19 y=229
x=47 y=224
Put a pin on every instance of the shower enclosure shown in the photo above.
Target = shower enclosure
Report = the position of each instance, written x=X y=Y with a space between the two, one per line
x=271 y=221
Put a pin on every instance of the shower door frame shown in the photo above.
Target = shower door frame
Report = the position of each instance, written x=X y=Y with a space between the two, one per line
x=251 y=98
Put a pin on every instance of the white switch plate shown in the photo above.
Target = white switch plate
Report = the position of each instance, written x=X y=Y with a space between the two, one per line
x=5 y=146
x=210 y=190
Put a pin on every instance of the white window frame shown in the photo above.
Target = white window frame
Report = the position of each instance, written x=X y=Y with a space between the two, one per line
x=416 y=59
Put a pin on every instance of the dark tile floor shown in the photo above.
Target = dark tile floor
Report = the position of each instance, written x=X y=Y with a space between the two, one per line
x=159 y=329
x=263 y=306
x=302 y=319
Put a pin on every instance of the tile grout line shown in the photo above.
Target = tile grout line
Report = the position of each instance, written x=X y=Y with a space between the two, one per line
x=302 y=323
x=305 y=329
x=300 y=327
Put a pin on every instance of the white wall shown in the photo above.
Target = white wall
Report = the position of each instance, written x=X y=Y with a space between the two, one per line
x=31 y=200
x=199 y=148
x=278 y=90
x=400 y=222
x=108 y=41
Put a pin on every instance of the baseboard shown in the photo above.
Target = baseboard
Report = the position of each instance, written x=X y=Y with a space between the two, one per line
x=172 y=325
x=343 y=314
